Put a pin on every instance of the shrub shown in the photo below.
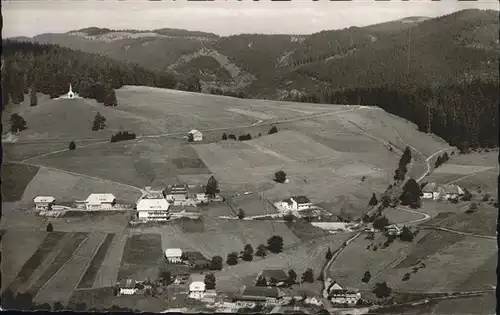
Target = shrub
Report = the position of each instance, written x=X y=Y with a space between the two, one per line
x=210 y=281
x=308 y=276
x=72 y=145
x=17 y=123
x=241 y=214
x=49 y=228
x=245 y=137
x=190 y=137
x=366 y=277
x=122 y=136
x=406 y=276
x=275 y=244
x=406 y=235
x=232 y=259
x=467 y=195
x=380 y=223
x=224 y=136
x=261 y=250
x=216 y=263
x=273 y=130
x=280 y=177
x=373 y=200
x=231 y=137
x=382 y=290
x=486 y=197
x=329 y=254
x=99 y=122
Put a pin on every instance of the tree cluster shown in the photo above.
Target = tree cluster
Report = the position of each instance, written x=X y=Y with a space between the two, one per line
x=273 y=130
x=245 y=137
x=441 y=159
x=99 y=122
x=411 y=194
x=122 y=136
x=280 y=177
x=402 y=169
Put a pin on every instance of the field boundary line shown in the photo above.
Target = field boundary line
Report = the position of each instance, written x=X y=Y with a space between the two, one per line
x=90 y=261
x=59 y=270
x=429 y=227
x=79 y=174
x=60 y=151
x=469 y=175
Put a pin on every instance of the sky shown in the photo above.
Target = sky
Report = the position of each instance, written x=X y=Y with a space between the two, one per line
x=222 y=17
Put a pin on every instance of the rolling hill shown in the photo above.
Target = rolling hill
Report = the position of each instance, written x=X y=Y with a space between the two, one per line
x=440 y=73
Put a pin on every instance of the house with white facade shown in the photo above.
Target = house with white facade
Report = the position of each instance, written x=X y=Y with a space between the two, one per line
x=173 y=255
x=451 y=191
x=431 y=191
x=197 y=290
x=176 y=194
x=337 y=294
x=44 y=203
x=127 y=287
x=251 y=296
x=153 y=209
x=100 y=202
x=296 y=203
x=196 y=135
x=197 y=193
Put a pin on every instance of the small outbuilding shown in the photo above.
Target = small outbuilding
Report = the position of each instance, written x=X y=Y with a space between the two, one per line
x=173 y=255
x=195 y=135
x=197 y=290
x=44 y=203
x=100 y=202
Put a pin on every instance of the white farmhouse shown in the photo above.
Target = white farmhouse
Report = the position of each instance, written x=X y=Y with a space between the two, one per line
x=127 y=287
x=339 y=295
x=431 y=191
x=153 y=209
x=43 y=202
x=196 y=135
x=173 y=255
x=451 y=191
x=100 y=202
x=197 y=290
x=296 y=203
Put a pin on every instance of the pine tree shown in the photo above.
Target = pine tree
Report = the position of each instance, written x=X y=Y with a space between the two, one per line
x=33 y=97
x=373 y=200
x=212 y=187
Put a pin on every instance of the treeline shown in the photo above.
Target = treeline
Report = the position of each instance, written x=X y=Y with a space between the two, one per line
x=50 y=69
x=465 y=115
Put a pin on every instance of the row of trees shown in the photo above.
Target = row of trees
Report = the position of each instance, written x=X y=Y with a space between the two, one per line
x=441 y=159
x=402 y=169
x=122 y=136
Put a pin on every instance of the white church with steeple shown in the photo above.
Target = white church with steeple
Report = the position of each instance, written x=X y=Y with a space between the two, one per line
x=70 y=95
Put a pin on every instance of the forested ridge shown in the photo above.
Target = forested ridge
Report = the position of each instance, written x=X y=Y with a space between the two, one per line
x=49 y=69
x=464 y=114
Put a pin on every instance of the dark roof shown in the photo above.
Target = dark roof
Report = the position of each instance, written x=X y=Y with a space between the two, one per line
x=277 y=274
x=127 y=284
x=430 y=187
x=252 y=291
x=288 y=201
x=301 y=199
x=200 y=262
x=194 y=256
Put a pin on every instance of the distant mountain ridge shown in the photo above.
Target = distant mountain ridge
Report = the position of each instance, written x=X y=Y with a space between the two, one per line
x=351 y=57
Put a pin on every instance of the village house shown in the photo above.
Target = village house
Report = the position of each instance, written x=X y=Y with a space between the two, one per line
x=393 y=230
x=100 y=202
x=196 y=135
x=197 y=192
x=306 y=296
x=431 y=191
x=339 y=295
x=153 y=210
x=274 y=277
x=176 y=194
x=197 y=290
x=251 y=296
x=173 y=255
x=296 y=203
x=44 y=203
x=451 y=191
x=127 y=287
x=209 y=296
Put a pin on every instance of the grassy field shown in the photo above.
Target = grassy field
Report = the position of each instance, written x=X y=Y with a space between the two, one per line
x=62 y=284
x=70 y=247
x=480 y=222
x=447 y=268
x=108 y=273
x=219 y=237
x=310 y=254
x=469 y=306
x=112 y=222
x=398 y=216
x=360 y=256
x=145 y=162
x=252 y=205
x=88 y=278
x=142 y=256
x=15 y=178
x=19 y=262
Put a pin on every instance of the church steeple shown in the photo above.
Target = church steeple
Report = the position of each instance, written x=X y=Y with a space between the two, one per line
x=70 y=92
